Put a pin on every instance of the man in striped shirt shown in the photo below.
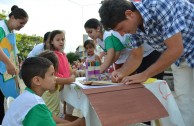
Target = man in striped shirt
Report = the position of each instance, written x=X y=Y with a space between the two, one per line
x=167 y=26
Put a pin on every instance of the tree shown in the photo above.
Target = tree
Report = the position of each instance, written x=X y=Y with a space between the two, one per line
x=3 y=15
x=26 y=43
x=72 y=57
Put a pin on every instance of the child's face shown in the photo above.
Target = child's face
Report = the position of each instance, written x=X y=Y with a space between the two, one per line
x=90 y=49
x=49 y=82
x=93 y=33
x=59 y=41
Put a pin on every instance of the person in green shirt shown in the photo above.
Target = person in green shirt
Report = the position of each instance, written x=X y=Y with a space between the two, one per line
x=119 y=48
x=109 y=41
x=29 y=109
x=18 y=18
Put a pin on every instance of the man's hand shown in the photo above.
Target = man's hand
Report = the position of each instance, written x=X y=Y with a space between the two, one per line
x=133 y=79
x=116 y=76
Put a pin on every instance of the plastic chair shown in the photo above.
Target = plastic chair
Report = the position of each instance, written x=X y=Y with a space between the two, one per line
x=9 y=101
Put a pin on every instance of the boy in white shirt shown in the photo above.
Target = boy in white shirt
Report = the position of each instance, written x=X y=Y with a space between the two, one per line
x=29 y=109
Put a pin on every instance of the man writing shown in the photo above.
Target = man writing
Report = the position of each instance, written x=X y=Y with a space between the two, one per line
x=167 y=26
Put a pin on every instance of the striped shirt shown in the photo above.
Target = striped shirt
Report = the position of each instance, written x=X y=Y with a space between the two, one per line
x=163 y=19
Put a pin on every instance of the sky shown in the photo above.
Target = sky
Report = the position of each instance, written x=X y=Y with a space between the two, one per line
x=48 y=15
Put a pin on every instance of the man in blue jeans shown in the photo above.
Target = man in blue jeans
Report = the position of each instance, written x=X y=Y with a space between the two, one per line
x=167 y=26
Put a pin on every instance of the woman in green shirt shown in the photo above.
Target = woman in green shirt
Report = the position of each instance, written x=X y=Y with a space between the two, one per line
x=17 y=20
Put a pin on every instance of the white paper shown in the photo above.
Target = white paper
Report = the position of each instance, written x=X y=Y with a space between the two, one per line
x=89 y=86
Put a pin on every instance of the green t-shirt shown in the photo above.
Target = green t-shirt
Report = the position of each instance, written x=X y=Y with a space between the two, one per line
x=28 y=109
x=39 y=115
x=113 y=42
x=2 y=33
x=4 y=30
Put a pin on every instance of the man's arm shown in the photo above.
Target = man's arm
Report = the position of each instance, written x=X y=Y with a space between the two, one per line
x=170 y=55
x=133 y=61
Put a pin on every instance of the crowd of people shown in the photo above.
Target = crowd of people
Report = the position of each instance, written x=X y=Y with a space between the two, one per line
x=139 y=39
x=39 y=104
x=80 y=67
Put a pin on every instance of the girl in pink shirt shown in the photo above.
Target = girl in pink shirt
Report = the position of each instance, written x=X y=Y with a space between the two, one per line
x=56 y=43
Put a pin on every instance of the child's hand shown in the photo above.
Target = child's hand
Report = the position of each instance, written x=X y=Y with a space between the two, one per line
x=73 y=72
x=73 y=77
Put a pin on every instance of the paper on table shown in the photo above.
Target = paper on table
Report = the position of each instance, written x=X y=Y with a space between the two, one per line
x=97 y=83
x=105 y=82
x=77 y=82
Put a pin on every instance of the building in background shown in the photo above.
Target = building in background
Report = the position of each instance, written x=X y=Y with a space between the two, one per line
x=85 y=37
x=80 y=51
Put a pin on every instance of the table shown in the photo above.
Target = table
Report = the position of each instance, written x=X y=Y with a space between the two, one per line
x=75 y=97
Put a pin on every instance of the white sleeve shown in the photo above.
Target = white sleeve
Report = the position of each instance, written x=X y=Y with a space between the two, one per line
x=36 y=50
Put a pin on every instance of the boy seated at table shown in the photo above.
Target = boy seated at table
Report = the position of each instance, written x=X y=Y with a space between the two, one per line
x=29 y=109
x=52 y=98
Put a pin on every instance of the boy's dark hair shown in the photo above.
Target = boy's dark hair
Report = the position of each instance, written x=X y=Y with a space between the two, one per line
x=89 y=42
x=113 y=11
x=34 y=66
x=50 y=55
x=93 y=23
x=18 y=13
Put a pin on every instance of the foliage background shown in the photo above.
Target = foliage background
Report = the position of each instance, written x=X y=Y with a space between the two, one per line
x=25 y=44
x=72 y=57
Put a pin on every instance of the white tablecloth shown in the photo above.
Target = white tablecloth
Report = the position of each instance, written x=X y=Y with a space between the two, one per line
x=75 y=97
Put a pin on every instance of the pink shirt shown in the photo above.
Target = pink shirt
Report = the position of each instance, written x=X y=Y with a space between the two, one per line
x=63 y=67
